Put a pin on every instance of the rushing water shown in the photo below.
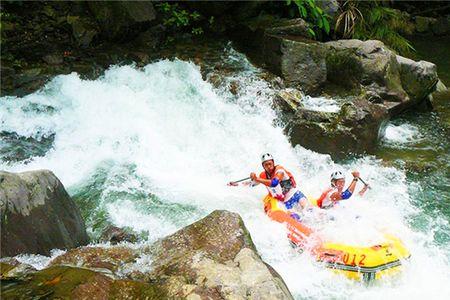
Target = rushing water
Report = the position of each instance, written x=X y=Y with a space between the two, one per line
x=153 y=149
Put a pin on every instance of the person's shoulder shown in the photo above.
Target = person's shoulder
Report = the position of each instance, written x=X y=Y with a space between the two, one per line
x=279 y=168
x=262 y=174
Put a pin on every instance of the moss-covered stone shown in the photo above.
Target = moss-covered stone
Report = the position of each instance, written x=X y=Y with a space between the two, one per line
x=63 y=282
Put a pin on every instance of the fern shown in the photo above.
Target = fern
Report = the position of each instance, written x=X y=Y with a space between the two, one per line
x=372 y=20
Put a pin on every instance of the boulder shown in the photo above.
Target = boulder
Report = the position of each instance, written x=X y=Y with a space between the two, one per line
x=37 y=214
x=301 y=63
x=423 y=24
x=375 y=63
x=419 y=79
x=356 y=128
x=215 y=257
x=121 y=20
x=212 y=258
x=441 y=26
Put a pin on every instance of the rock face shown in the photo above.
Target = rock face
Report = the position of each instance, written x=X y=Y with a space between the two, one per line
x=37 y=214
x=120 y=19
x=213 y=258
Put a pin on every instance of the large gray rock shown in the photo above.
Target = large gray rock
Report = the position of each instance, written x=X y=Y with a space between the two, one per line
x=120 y=20
x=419 y=79
x=356 y=128
x=377 y=65
x=213 y=258
x=301 y=63
x=37 y=214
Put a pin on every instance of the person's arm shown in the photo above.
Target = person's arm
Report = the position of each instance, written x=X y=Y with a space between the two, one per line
x=267 y=182
x=363 y=190
x=351 y=187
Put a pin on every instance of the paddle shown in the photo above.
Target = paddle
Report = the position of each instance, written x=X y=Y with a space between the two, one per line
x=366 y=184
x=234 y=183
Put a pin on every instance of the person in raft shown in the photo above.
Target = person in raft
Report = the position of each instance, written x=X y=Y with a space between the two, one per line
x=280 y=183
x=332 y=195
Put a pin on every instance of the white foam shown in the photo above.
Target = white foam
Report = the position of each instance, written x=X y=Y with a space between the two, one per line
x=402 y=134
x=321 y=104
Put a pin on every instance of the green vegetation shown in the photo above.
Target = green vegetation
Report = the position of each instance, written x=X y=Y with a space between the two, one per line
x=310 y=12
x=174 y=17
x=374 y=20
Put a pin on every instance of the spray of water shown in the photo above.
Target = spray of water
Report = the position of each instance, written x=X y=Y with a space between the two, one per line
x=154 y=148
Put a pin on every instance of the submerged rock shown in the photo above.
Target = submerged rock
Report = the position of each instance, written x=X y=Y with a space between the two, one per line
x=37 y=214
x=116 y=235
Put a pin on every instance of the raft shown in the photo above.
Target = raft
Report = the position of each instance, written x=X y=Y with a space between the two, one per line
x=358 y=263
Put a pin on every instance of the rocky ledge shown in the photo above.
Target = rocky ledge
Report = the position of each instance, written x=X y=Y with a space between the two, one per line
x=213 y=258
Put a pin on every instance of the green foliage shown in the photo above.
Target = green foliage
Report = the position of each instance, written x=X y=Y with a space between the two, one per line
x=175 y=17
x=310 y=12
x=373 y=20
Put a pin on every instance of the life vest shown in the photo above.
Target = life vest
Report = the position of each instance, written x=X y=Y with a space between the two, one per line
x=285 y=185
x=324 y=200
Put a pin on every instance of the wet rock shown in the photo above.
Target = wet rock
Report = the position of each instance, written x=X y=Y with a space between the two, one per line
x=330 y=7
x=122 y=20
x=111 y=259
x=441 y=26
x=64 y=282
x=11 y=268
x=376 y=63
x=288 y=100
x=53 y=59
x=419 y=79
x=355 y=129
x=151 y=38
x=423 y=24
x=214 y=257
x=301 y=63
x=83 y=30
x=37 y=214
x=116 y=235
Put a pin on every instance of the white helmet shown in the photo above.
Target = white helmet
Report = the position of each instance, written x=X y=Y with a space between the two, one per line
x=337 y=175
x=265 y=157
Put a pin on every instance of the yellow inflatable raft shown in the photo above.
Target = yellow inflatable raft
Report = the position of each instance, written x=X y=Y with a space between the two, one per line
x=360 y=263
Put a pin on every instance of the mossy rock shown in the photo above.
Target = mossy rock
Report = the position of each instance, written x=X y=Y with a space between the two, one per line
x=63 y=282
x=344 y=68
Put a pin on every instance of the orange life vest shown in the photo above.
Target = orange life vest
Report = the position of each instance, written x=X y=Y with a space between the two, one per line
x=286 y=183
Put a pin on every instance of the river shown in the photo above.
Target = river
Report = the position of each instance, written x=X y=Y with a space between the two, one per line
x=152 y=148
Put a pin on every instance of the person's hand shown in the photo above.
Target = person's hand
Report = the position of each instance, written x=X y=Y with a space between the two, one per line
x=355 y=174
x=253 y=176
x=364 y=189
